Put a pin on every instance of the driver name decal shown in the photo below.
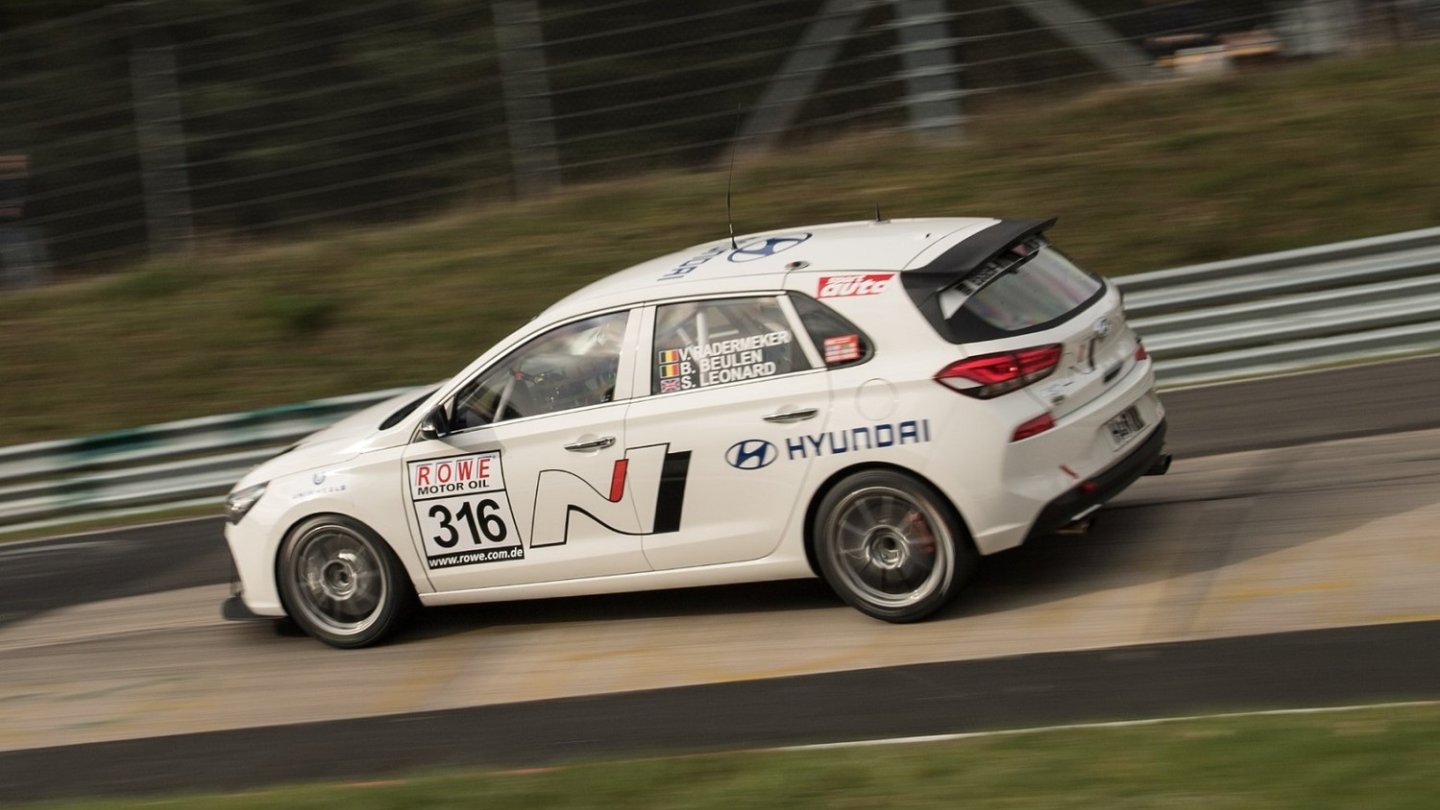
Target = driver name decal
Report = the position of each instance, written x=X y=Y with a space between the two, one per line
x=719 y=362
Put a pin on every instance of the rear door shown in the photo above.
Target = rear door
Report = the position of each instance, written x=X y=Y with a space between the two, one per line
x=731 y=383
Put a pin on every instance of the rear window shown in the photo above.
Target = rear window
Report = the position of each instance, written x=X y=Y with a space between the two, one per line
x=1029 y=287
x=841 y=343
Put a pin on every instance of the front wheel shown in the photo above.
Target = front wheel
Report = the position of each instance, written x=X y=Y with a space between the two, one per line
x=891 y=546
x=341 y=583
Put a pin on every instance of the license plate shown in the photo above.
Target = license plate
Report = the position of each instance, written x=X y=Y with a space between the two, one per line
x=1125 y=425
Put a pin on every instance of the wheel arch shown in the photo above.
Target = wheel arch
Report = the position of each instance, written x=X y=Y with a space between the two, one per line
x=306 y=518
x=839 y=475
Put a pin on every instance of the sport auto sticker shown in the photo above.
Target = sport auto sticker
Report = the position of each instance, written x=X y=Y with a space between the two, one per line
x=719 y=362
x=853 y=284
x=465 y=517
x=462 y=510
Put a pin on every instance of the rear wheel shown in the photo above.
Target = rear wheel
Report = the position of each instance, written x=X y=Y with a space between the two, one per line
x=891 y=546
x=342 y=583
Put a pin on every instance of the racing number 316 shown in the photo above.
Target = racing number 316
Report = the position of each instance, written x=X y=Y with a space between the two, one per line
x=480 y=518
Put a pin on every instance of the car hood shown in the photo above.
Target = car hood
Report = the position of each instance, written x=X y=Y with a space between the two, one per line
x=355 y=434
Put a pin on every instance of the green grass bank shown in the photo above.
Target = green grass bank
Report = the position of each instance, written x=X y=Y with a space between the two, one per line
x=1142 y=178
x=1378 y=759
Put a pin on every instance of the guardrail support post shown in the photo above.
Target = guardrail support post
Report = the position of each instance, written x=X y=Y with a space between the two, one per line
x=797 y=78
x=526 y=84
x=1095 y=39
x=932 y=101
x=160 y=133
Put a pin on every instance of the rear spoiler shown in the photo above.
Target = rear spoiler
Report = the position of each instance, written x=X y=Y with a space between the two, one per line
x=923 y=284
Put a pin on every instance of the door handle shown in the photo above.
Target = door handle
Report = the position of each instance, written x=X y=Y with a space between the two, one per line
x=594 y=444
x=799 y=415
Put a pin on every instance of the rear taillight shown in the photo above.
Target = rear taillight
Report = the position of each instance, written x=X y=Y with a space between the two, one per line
x=1033 y=427
x=991 y=375
x=1140 y=353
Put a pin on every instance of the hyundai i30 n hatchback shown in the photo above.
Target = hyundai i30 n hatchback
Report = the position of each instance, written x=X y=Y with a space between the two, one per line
x=875 y=403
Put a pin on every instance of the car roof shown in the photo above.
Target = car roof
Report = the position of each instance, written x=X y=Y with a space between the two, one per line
x=763 y=259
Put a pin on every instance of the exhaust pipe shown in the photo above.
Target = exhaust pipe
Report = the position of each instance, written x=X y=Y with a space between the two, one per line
x=1078 y=527
x=1161 y=465
x=1081 y=523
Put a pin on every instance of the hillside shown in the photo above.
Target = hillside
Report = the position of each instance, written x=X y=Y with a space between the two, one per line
x=1141 y=179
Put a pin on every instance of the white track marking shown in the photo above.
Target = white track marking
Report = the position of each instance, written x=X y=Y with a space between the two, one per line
x=1154 y=721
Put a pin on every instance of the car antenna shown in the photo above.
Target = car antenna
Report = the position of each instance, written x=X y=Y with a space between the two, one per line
x=730 y=176
x=877 y=213
x=730 y=180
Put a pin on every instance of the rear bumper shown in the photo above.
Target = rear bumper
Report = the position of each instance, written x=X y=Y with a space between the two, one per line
x=1102 y=486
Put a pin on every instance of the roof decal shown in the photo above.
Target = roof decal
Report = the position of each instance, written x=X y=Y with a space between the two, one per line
x=749 y=249
x=764 y=246
x=689 y=265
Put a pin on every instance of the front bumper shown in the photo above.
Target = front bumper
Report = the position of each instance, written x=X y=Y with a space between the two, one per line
x=1101 y=487
x=234 y=609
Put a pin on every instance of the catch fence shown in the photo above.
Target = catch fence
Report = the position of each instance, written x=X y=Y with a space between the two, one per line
x=137 y=128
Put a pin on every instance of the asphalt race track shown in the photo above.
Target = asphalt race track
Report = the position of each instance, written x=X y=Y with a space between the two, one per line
x=1287 y=560
x=1315 y=668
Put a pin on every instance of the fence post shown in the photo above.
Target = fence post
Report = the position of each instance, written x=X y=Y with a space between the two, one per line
x=525 y=83
x=932 y=101
x=797 y=78
x=1090 y=36
x=159 y=132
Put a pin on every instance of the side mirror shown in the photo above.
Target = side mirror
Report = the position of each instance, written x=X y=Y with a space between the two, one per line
x=435 y=424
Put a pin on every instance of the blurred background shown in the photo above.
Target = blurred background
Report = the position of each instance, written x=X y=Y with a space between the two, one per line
x=133 y=129
x=223 y=225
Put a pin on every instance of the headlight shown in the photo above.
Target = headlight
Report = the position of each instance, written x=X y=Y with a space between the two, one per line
x=237 y=504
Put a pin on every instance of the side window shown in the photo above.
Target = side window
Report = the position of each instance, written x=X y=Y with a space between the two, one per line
x=700 y=344
x=571 y=366
x=841 y=343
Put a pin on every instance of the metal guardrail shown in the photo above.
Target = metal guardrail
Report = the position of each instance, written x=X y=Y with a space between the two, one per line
x=1278 y=312
x=1362 y=299
x=185 y=463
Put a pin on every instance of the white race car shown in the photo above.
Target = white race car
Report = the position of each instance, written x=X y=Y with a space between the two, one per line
x=876 y=403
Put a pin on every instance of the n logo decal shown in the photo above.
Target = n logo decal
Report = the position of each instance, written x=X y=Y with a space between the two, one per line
x=645 y=495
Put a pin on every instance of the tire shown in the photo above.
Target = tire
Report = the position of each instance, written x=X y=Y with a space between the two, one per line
x=341 y=583
x=287 y=627
x=891 y=546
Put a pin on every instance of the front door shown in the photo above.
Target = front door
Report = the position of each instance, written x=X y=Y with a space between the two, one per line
x=532 y=483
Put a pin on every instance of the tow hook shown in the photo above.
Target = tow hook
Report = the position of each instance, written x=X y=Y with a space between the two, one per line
x=1161 y=465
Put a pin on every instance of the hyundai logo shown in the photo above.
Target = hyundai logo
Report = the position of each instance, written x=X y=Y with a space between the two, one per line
x=751 y=454
x=1102 y=328
x=767 y=246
